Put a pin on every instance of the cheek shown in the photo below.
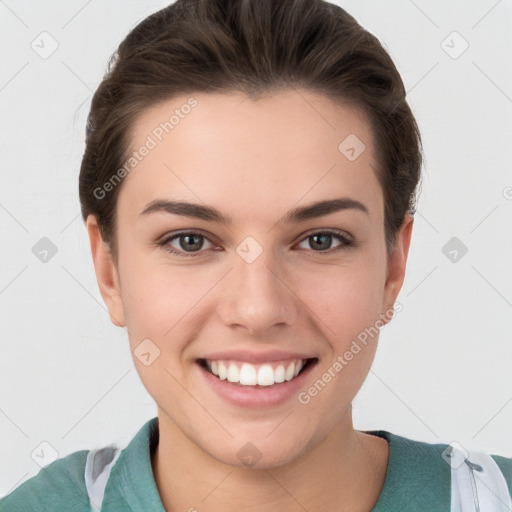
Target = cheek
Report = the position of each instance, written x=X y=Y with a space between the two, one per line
x=345 y=304
x=147 y=295
x=345 y=299
x=161 y=301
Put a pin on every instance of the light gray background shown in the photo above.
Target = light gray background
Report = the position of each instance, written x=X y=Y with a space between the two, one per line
x=443 y=368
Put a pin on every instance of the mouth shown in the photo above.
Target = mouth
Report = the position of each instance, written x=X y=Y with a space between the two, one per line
x=265 y=375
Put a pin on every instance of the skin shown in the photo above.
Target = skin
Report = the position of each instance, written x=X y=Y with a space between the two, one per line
x=255 y=160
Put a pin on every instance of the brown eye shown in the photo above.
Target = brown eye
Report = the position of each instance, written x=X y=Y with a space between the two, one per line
x=190 y=242
x=185 y=243
x=321 y=241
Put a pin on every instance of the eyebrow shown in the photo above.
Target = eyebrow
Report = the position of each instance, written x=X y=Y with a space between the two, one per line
x=300 y=214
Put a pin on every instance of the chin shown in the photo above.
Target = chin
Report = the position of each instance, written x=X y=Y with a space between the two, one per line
x=258 y=452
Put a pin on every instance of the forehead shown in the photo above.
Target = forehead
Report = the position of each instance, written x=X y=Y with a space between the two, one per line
x=279 y=150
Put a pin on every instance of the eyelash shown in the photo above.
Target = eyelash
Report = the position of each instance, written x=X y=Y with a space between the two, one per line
x=340 y=235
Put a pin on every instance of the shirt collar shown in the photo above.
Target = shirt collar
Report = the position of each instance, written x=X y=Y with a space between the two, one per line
x=417 y=477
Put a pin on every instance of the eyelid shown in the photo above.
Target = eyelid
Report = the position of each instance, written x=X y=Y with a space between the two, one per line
x=169 y=237
x=330 y=231
x=346 y=238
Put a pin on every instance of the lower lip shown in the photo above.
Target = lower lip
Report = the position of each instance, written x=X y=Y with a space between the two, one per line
x=249 y=396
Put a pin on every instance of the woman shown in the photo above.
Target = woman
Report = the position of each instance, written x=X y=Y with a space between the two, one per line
x=248 y=186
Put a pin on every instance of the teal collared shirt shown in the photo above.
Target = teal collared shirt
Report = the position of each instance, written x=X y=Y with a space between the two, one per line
x=417 y=479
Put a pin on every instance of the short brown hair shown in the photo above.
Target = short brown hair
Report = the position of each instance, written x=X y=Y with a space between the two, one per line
x=256 y=47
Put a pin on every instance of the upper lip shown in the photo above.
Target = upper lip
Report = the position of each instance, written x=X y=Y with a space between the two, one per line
x=251 y=356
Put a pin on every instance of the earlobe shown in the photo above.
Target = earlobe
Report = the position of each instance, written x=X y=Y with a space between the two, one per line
x=397 y=263
x=106 y=273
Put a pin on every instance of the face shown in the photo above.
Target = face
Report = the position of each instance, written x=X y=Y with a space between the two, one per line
x=243 y=305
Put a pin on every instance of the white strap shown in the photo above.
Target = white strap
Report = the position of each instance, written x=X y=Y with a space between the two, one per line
x=97 y=471
x=477 y=483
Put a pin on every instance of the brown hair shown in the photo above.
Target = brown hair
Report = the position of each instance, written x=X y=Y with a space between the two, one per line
x=255 y=47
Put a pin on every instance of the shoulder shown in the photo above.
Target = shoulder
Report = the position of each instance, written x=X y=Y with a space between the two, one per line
x=505 y=465
x=58 y=486
x=442 y=455
x=72 y=483
x=422 y=466
x=425 y=476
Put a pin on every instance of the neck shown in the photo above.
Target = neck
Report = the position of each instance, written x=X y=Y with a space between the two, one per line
x=345 y=471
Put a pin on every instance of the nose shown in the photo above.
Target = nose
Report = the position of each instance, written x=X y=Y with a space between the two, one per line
x=258 y=296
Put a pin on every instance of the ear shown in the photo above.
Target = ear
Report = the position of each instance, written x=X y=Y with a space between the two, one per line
x=396 y=265
x=106 y=273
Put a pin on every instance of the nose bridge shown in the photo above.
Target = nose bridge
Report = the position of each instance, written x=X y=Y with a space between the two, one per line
x=256 y=294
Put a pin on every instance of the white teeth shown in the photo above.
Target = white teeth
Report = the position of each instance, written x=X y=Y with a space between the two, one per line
x=266 y=375
x=279 y=374
x=252 y=375
x=233 y=373
x=223 y=372
x=248 y=375
x=288 y=375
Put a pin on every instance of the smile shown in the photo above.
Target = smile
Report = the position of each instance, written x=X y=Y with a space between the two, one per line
x=248 y=374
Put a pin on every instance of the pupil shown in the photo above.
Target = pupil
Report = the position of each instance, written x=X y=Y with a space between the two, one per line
x=324 y=237
x=190 y=242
